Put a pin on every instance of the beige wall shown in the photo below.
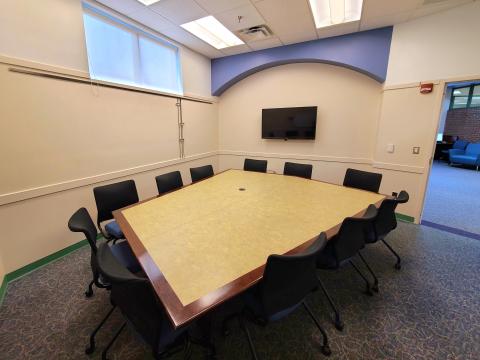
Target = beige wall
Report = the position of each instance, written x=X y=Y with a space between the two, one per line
x=2 y=270
x=438 y=46
x=51 y=32
x=349 y=105
x=47 y=31
x=61 y=139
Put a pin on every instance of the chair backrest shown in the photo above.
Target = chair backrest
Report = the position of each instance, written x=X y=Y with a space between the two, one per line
x=255 y=165
x=201 y=172
x=295 y=169
x=288 y=279
x=362 y=180
x=169 y=182
x=113 y=197
x=460 y=144
x=386 y=220
x=135 y=298
x=81 y=221
x=352 y=235
x=473 y=149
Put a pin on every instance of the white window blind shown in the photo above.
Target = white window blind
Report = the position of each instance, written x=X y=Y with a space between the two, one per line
x=121 y=53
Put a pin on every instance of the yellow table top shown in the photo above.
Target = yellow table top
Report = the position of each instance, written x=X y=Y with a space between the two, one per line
x=206 y=235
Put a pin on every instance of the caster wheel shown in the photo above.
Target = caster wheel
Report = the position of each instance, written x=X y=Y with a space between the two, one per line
x=89 y=350
x=398 y=266
x=326 y=350
x=375 y=288
x=339 y=325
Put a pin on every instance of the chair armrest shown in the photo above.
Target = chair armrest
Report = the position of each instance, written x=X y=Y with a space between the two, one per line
x=456 y=152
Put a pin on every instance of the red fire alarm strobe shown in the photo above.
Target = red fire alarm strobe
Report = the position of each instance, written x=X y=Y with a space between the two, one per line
x=426 y=88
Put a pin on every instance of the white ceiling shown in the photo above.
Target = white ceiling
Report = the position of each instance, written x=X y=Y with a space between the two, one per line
x=290 y=20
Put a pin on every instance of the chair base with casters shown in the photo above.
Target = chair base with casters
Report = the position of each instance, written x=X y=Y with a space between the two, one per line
x=370 y=288
x=182 y=343
x=98 y=284
x=398 y=263
x=386 y=222
x=248 y=315
x=342 y=248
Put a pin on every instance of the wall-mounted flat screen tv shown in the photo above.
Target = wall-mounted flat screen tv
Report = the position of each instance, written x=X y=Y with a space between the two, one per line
x=289 y=123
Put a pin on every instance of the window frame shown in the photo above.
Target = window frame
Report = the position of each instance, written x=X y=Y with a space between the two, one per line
x=469 y=97
x=138 y=32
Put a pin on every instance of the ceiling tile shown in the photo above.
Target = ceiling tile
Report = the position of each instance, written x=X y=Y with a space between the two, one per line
x=337 y=30
x=151 y=19
x=373 y=23
x=292 y=38
x=184 y=37
x=218 y=6
x=179 y=11
x=250 y=17
x=265 y=44
x=288 y=19
x=234 y=50
x=125 y=7
x=378 y=8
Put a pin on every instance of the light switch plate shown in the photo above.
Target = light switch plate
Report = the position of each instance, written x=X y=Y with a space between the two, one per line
x=390 y=148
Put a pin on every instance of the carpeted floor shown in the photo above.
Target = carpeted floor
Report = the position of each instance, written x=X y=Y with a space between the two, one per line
x=430 y=309
x=453 y=197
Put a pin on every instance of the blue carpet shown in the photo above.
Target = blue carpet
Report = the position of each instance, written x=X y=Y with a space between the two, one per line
x=453 y=198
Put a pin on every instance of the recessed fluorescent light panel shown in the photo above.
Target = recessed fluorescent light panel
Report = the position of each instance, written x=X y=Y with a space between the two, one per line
x=212 y=32
x=148 y=2
x=334 y=12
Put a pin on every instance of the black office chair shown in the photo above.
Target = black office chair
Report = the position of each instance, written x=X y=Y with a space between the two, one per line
x=201 y=172
x=287 y=281
x=255 y=165
x=169 y=182
x=341 y=249
x=110 y=198
x=139 y=304
x=295 y=169
x=386 y=221
x=363 y=180
x=81 y=221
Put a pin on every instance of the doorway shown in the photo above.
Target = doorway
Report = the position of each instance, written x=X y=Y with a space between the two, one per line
x=452 y=200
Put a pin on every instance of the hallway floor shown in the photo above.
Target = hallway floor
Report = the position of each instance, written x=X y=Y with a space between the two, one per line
x=453 y=198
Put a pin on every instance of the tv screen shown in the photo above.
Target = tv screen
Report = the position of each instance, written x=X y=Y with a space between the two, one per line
x=289 y=123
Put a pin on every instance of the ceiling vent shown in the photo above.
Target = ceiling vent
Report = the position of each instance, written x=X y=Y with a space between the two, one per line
x=255 y=33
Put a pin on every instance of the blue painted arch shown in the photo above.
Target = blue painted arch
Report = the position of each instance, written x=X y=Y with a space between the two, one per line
x=366 y=52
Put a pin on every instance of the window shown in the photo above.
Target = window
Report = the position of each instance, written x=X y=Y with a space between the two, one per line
x=465 y=97
x=121 y=53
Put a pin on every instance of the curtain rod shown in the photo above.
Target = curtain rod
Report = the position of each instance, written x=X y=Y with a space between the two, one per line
x=103 y=84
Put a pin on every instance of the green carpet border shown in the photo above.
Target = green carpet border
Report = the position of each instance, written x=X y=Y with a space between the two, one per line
x=24 y=270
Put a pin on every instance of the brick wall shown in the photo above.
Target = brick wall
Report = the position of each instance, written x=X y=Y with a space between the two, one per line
x=464 y=123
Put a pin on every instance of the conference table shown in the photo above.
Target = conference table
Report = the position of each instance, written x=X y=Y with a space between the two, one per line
x=208 y=242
